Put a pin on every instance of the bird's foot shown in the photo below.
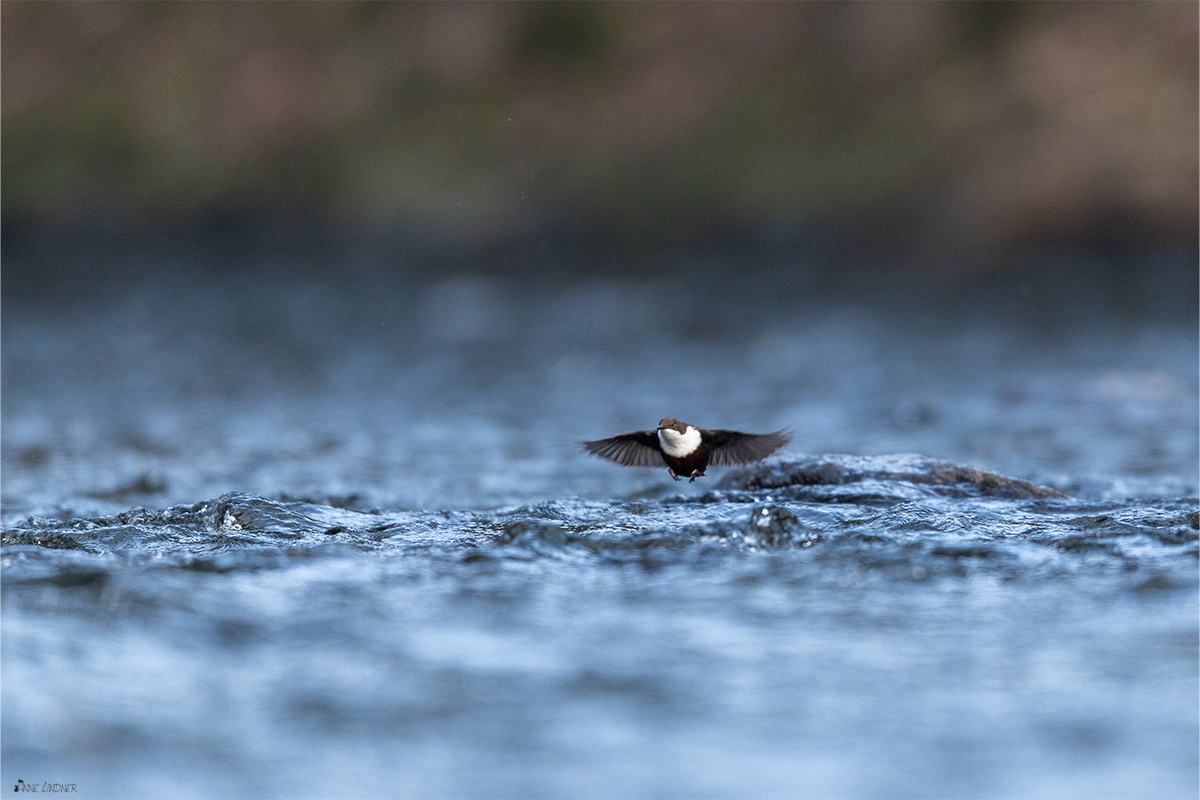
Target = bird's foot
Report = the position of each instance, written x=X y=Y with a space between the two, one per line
x=673 y=475
x=695 y=474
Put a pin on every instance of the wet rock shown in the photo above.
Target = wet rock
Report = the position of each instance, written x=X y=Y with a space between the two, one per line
x=248 y=513
x=53 y=540
x=775 y=526
x=141 y=486
x=838 y=470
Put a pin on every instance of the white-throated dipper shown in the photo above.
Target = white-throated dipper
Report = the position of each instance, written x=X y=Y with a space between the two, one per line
x=686 y=449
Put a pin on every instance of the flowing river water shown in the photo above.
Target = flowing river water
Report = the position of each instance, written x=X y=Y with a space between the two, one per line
x=301 y=537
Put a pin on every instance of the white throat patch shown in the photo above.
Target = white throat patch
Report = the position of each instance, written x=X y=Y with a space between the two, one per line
x=678 y=445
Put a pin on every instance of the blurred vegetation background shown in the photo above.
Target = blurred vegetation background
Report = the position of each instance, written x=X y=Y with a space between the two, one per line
x=956 y=133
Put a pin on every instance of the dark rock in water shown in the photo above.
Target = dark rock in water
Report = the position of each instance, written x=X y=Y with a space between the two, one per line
x=774 y=526
x=531 y=534
x=143 y=485
x=837 y=470
x=53 y=540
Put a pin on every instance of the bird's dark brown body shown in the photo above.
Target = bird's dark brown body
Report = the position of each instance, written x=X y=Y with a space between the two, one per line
x=685 y=449
x=692 y=465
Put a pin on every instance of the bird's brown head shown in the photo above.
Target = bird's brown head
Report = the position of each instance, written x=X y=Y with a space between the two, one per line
x=673 y=424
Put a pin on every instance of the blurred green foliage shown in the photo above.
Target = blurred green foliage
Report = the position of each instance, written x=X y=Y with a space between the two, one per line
x=970 y=123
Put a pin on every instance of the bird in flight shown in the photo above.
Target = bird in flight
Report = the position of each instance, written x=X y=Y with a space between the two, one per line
x=686 y=449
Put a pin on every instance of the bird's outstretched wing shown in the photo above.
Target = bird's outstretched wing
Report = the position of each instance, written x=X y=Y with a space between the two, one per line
x=636 y=449
x=728 y=448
